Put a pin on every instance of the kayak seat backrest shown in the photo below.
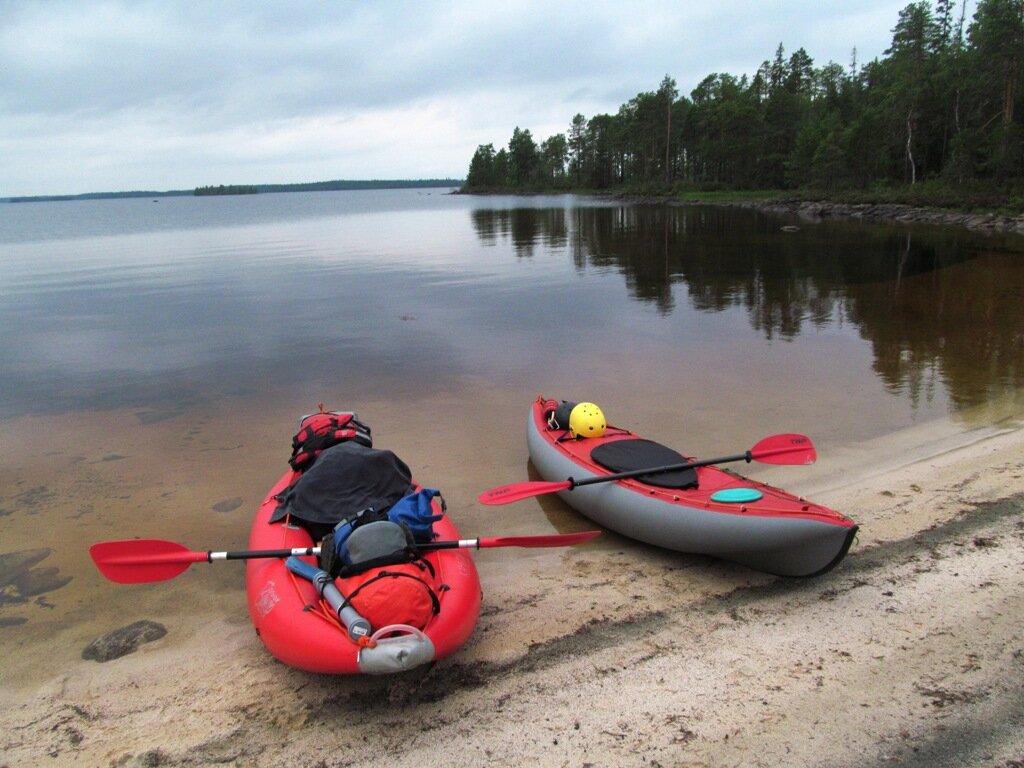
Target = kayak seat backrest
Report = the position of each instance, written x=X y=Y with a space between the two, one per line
x=629 y=455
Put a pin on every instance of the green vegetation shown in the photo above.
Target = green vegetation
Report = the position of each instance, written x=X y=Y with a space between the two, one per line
x=934 y=122
x=231 y=189
x=328 y=186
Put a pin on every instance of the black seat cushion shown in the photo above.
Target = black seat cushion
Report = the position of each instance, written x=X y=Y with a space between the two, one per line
x=627 y=455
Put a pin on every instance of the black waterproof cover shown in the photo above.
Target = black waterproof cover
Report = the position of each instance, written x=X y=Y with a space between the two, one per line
x=346 y=479
x=627 y=455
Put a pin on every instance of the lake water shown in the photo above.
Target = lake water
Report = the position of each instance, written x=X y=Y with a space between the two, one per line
x=156 y=353
x=163 y=303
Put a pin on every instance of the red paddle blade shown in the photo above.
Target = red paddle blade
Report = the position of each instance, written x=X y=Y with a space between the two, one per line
x=506 y=494
x=785 y=449
x=554 y=540
x=138 y=561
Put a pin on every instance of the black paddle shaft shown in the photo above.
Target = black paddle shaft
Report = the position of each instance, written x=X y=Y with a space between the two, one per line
x=254 y=554
x=747 y=457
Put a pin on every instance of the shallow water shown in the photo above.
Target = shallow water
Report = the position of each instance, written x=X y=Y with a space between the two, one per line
x=156 y=355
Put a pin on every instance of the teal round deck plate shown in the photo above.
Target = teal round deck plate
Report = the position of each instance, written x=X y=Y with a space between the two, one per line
x=736 y=495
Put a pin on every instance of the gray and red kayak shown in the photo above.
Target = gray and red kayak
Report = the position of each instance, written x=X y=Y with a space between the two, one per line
x=703 y=510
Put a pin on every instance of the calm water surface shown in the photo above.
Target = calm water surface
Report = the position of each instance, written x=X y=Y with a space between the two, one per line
x=155 y=354
x=183 y=300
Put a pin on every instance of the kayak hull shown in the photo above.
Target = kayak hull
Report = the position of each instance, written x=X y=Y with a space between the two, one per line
x=778 y=532
x=311 y=640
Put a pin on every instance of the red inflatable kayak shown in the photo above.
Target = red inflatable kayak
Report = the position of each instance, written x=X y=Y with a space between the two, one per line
x=301 y=629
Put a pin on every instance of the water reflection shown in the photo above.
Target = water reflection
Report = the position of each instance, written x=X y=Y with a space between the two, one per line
x=936 y=305
x=526 y=228
x=961 y=325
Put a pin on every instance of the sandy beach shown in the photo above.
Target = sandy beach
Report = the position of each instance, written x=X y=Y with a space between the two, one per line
x=910 y=653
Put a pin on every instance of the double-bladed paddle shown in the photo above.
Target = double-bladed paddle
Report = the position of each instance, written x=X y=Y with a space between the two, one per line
x=777 y=449
x=137 y=561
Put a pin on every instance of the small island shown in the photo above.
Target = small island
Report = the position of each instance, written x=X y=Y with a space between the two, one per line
x=230 y=189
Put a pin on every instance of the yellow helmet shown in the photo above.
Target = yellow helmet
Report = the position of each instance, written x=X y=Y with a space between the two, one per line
x=586 y=420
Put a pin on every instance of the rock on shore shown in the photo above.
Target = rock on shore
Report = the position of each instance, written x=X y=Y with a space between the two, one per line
x=810 y=210
x=123 y=641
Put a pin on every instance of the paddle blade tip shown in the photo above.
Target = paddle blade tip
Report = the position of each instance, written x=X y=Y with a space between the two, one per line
x=789 y=449
x=549 y=540
x=141 y=561
x=506 y=494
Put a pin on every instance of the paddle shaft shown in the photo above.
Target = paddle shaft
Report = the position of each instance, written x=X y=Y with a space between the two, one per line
x=747 y=457
x=253 y=554
x=138 y=561
x=185 y=556
x=777 y=449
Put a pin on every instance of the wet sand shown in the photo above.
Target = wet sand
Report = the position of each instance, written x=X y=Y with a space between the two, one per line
x=911 y=652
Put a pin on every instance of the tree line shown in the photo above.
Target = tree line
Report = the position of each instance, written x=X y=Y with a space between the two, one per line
x=226 y=189
x=938 y=107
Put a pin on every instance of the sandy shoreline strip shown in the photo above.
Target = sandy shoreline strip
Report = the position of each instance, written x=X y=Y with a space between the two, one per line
x=910 y=653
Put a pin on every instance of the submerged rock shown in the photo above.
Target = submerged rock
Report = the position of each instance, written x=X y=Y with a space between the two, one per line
x=19 y=580
x=14 y=564
x=228 y=505
x=123 y=641
x=40 y=580
x=11 y=598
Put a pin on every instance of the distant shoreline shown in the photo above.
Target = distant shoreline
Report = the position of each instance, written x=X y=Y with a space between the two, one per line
x=316 y=186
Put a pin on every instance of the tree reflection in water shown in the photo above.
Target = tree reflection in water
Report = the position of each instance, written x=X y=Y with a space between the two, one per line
x=935 y=304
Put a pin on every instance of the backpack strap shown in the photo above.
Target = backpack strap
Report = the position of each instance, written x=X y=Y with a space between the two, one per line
x=406 y=555
x=434 y=600
x=380 y=542
x=330 y=557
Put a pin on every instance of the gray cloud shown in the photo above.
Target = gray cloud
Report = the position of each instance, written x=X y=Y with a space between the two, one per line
x=128 y=95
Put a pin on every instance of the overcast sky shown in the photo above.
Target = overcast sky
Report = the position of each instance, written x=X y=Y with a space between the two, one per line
x=122 y=95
